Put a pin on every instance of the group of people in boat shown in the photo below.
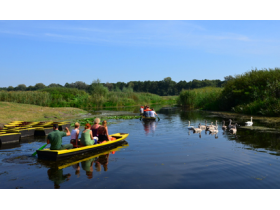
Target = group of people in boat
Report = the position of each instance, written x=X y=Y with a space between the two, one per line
x=147 y=111
x=92 y=134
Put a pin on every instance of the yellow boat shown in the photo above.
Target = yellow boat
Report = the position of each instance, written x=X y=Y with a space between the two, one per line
x=55 y=155
x=6 y=138
x=42 y=131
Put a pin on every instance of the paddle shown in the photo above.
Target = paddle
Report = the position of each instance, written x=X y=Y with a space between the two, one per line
x=158 y=118
x=35 y=153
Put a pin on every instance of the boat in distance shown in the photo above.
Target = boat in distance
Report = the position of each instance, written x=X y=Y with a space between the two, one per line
x=148 y=118
x=55 y=155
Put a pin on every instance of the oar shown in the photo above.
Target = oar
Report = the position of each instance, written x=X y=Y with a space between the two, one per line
x=35 y=153
x=158 y=118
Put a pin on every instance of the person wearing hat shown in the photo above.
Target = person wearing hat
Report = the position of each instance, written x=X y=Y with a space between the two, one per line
x=55 y=139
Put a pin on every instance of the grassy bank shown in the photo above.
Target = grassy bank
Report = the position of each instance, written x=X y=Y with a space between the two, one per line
x=71 y=97
x=201 y=98
x=26 y=112
x=256 y=92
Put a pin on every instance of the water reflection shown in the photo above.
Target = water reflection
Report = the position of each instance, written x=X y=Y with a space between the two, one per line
x=55 y=173
x=102 y=160
x=87 y=167
x=149 y=126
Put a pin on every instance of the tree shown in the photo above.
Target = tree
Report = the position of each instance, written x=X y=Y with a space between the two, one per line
x=110 y=86
x=54 y=85
x=81 y=85
x=167 y=79
x=228 y=78
x=39 y=86
x=21 y=87
x=96 y=88
x=10 y=88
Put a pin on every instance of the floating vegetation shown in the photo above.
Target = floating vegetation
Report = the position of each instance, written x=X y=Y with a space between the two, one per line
x=84 y=121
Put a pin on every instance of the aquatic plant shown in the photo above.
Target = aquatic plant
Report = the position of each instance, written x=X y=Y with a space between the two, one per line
x=84 y=121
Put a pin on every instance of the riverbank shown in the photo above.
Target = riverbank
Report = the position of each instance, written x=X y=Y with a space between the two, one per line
x=256 y=92
x=26 y=112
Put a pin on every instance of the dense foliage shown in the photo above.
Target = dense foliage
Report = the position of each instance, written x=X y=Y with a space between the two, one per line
x=164 y=87
x=254 y=92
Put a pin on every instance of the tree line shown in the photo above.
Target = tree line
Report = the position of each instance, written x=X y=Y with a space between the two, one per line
x=164 y=87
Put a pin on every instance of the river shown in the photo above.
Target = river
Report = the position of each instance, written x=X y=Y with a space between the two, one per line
x=158 y=155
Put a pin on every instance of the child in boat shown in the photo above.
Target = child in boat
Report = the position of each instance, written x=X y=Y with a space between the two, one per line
x=95 y=126
x=87 y=138
x=55 y=139
x=102 y=132
x=75 y=135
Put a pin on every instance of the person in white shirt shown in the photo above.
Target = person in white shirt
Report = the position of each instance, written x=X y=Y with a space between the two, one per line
x=141 y=110
x=75 y=135
x=153 y=113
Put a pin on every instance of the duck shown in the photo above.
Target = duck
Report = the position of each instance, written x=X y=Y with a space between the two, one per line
x=197 y=130
x=249 y=122
x=203 y=127
x=190 y=127
x=224 y=127
x=234 y=129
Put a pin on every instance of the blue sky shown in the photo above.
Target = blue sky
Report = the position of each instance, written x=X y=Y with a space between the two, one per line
x=113 y=51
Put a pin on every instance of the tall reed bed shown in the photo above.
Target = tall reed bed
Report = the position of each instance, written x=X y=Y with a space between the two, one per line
x=26 y=97
x=71 y=97
x=201 y=98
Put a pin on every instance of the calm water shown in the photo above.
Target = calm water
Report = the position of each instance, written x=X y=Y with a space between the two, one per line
x=161 y=154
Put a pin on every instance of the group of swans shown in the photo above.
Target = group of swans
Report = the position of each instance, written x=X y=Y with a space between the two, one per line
x=214 y=128
x=211 y=128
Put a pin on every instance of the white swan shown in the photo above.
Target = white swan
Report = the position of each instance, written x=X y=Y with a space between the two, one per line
x=209 y=126
x=249 y=122
x=230 y=125
x=190 y=127
x=224 y=125
x=214 y=129
x=197 y=129
x=234 y=129
x=203 y=127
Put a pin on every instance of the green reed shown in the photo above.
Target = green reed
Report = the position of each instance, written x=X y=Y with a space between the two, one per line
x=201 y=98
x=71 y=97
